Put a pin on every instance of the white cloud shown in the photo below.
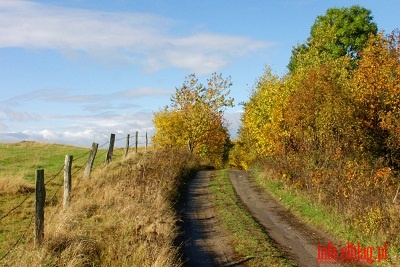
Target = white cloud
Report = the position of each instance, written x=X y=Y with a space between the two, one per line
x=134 y=38
x=68 y=96
x=84 y=134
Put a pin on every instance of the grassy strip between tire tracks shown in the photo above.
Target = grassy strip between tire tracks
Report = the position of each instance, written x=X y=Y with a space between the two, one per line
x=249 y=239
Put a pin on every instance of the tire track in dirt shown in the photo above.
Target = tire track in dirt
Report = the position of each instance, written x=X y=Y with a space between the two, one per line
x=206 y=242
x=295 y=238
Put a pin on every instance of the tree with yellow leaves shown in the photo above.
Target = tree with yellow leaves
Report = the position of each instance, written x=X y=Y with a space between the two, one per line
x=195 y=118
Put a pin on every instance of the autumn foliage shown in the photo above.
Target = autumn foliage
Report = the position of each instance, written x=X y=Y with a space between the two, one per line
x=194 y=120
x=332 y=129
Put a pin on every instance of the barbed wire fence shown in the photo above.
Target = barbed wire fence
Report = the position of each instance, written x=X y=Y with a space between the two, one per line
x=52 y=199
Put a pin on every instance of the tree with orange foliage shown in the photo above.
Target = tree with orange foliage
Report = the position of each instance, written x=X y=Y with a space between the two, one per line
x=376 y=91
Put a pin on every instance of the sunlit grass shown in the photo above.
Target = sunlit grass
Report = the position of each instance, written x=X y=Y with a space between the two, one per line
x=250 y=241
x=18 y=164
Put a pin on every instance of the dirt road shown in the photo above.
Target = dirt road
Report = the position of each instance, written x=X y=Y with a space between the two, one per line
x=297 y=239
x=208 y=245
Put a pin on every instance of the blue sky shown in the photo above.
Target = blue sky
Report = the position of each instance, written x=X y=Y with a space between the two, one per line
x=74 y=71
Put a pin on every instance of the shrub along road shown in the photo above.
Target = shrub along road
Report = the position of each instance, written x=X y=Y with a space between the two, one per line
x=209 y=245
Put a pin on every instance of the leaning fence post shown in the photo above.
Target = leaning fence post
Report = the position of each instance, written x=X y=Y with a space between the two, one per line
x=147 y=142
x=39 y=207
x=67 y=180
x=136 y=141
x=89 y=164
x=127 y=145
x=110 y=149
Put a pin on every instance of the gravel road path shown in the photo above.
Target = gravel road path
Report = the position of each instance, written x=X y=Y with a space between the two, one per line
x=295 y=238
x=207 y=244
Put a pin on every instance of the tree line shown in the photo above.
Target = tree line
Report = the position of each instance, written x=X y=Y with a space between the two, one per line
x=329 y=126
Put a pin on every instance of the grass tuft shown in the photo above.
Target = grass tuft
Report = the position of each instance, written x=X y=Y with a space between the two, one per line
x=15 y=185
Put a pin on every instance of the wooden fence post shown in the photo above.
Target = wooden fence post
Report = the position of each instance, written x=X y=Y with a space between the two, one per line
x=110 y=149
x=39 y=207
x=136 y=141
x=67 y=180
x=89 y=164
x=147 y=142
x=127 y=145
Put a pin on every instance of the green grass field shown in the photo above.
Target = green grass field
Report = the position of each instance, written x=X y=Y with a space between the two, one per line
x=18 y=165
x=122 y=216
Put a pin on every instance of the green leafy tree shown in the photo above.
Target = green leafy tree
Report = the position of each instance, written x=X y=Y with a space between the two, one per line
x=340 y=32
x=195 y=118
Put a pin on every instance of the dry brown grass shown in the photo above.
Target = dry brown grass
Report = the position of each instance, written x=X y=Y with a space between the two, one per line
x=122 y=216
x=15 y=185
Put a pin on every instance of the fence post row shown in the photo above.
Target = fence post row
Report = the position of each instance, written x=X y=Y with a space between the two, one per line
x=67 y=180
x=41 y=189
x=39 y=207
x=110 y=149
x=92 y=156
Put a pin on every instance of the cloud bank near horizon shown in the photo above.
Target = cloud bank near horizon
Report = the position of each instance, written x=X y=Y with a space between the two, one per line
x=100 y=131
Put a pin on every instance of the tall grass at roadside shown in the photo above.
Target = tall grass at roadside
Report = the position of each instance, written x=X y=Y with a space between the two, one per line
x=122 y=216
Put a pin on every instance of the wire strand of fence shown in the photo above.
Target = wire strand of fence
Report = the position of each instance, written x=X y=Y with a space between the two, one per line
x=17 y=242
x=78 y=183
x=24 y=250
x=54 y=195
x=54 y=213
x=104 y=144
x=86 y=153
x=55 y=176
x=139 y=136
x=122 y=138
x=101 y=155
x=77 y=170
x=17 y=206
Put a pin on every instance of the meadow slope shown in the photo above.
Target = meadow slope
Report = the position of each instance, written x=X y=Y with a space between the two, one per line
x=122 y=216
